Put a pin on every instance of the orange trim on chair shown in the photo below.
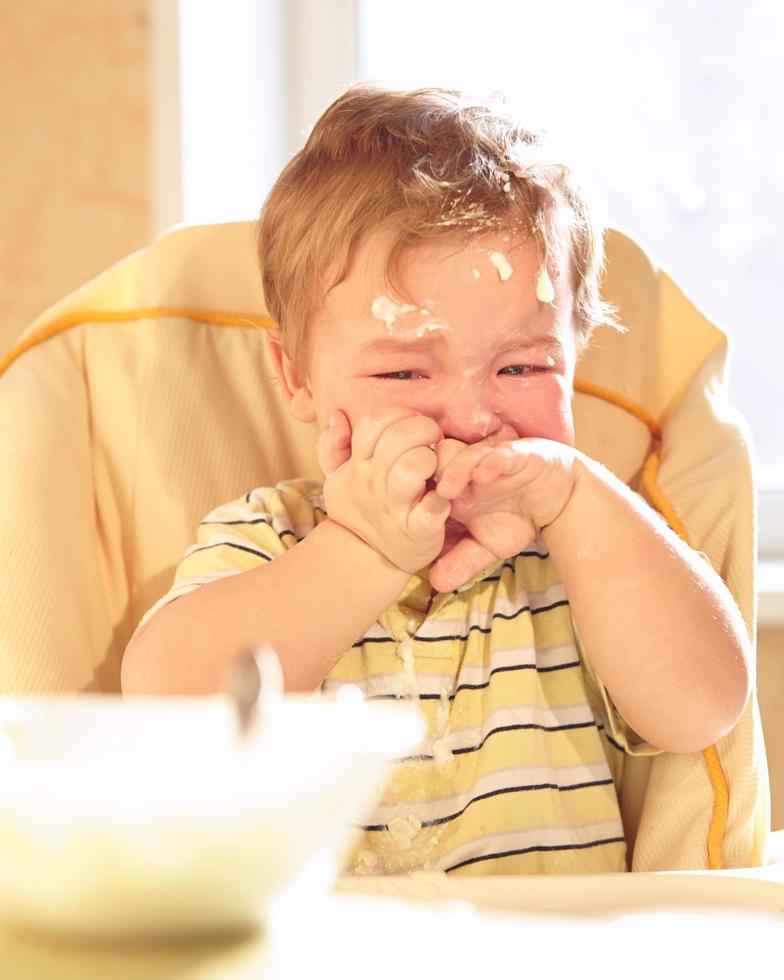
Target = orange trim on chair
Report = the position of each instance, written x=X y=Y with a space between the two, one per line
x=63 y=323
x=650 y=470
x=718 y=779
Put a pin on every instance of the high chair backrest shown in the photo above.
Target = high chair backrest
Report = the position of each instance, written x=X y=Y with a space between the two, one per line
x=146 y=398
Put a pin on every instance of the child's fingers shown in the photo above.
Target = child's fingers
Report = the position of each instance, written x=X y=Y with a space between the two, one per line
x=446 y=450
x=407 y=478
x=403 y=436
x=428 y=515
x=502 y=461
x=456 y=475
x=459 y=564
x=370 y=428
x=333 y=446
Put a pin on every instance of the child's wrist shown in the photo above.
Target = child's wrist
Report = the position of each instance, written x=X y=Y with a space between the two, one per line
x=360 y=551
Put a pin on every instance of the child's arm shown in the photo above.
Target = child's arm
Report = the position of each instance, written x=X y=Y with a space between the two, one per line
x=313 y=602
x=660 y=626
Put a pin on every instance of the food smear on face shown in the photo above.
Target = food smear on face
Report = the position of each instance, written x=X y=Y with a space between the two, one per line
x=388 y=311
x=428 y=327
x=544 y=287
x=476 y=273
x=502 y=264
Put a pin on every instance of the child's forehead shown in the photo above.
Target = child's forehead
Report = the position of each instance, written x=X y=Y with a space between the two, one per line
x=451 y=264
x=461 y=295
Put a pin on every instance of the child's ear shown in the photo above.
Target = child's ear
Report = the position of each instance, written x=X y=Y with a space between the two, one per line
x=293 y=383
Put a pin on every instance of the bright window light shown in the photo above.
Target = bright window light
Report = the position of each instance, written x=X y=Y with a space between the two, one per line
x=669 y=110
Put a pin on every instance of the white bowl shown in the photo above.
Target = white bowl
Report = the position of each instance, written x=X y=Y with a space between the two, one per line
x=144 y=816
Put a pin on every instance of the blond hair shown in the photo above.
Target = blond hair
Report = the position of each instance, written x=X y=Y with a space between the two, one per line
x=438 y=163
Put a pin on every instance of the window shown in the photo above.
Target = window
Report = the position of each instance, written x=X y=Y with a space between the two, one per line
x=670 y=110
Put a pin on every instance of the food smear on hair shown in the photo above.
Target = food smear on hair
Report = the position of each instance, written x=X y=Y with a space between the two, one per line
x=388 y=311
x=544 y=287
x=502 y=264
x=473 y=215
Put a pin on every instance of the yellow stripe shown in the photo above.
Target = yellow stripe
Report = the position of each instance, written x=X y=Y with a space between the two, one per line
x=61 y=324
x=716 y=773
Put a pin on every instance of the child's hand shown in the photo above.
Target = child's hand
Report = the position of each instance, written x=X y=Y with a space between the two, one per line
x=504 y=495
x=376 y=484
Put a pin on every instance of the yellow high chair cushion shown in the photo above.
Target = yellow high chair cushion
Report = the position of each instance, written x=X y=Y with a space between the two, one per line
x=145 y=398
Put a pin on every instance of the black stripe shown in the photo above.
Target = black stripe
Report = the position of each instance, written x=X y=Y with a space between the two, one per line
x=610 y=739
x=229 y=544
x=260 y=520
x=510 y=563
x=543 y=847
x=502 y=670
x=495 y=731
x=486 y=796
x=471 y=629
x=478 y=687
x=256 y=520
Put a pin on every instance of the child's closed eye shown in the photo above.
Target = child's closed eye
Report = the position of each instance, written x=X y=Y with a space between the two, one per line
x=399 y=376
x=515 y=370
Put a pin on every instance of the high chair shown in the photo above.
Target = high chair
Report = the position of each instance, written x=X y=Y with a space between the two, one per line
x=145 y=398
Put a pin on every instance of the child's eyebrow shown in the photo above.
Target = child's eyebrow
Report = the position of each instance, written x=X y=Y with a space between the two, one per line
x=387 y=345
x=518 y=340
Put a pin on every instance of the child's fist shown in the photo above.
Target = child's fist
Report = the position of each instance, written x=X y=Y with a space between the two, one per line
x=379 y=487
x=504 y=495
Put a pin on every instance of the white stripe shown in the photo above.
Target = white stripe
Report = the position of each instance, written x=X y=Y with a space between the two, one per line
x=563 y=836
x=470 y=737
x=503 y=605
x=446 y=806
x=434 y=682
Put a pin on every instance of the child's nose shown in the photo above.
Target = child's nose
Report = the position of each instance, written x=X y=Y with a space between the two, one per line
x=468 y=420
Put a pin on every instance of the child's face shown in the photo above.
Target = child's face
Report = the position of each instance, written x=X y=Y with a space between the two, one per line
x=473 y=353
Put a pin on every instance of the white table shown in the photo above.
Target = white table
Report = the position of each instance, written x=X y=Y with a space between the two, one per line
x=713 y=924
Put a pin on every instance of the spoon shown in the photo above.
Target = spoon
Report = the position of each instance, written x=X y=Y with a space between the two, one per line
x=255 y=684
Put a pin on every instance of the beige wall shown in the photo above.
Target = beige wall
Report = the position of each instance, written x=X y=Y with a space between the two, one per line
x=74 y=194
x=770 y=685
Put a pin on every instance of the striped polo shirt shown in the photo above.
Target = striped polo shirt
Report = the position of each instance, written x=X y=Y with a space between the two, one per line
x=517 y=773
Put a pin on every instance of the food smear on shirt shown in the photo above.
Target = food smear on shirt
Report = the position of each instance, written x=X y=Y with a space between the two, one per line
x=502 y=264
x=409 y=685
x=367 y=860
x=544 y=287
x=403 y=830
x=440 y=746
